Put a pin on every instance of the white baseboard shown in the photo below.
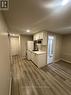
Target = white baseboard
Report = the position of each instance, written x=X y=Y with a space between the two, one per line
x=66 y=60
x=10 y=86
x=62 y=60
x=57 y=60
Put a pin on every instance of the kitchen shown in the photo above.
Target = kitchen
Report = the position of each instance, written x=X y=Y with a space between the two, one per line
x=35 y=51
x=33 y=48
x=33 y=70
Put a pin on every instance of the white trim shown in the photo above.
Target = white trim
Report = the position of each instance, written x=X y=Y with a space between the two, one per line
x=66 y=60
x=57 y=60
x=10 y=86
x=62 y=60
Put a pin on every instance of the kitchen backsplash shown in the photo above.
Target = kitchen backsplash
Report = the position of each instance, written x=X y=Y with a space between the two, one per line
x=44 y=48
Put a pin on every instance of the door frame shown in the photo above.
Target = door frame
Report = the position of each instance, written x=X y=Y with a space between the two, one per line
x=53 y=48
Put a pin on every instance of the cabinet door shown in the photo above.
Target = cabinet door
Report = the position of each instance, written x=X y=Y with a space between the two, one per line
x=41 y=35
x=36 y=60
x=32 y=56
x=28 y=55
x=45 y=40
x=42 y=60
x=36 y=36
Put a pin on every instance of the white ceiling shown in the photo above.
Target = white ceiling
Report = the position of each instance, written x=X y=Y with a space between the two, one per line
x=37 y=15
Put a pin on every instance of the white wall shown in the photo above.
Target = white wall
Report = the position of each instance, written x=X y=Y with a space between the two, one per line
x=4 y=59
x=18 y=44
x=66 y=47
x=58 y=45
x=62 y=47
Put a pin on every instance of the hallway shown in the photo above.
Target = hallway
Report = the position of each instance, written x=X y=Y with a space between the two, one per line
x=29 y=80
x=25 y=26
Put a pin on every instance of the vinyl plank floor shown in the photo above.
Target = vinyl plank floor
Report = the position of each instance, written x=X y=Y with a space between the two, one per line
x=53 y=79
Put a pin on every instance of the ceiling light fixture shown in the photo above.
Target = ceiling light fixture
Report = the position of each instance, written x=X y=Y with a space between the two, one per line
x=56 y=4
x=65 y=2
x=28 y=30
x=52 y=5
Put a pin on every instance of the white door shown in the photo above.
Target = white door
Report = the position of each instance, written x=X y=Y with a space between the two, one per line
x=30 y=45
x=50 y=49
x=14 y=41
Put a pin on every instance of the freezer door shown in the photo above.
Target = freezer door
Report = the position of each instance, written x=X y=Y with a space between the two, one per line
x=30 y=45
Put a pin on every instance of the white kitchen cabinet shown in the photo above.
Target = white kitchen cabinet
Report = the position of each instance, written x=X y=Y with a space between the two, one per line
x=39 y=59
x=33 y=56
x=45 y=38
x=29 y=55
x=36 y=37
x=41 y=35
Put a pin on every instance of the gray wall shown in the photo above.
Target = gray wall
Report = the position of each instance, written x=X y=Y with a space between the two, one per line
x=66 y=47
x=62 y=46
x=58 y=46
x=23 y=43
x=15 y=44
x=4 y=58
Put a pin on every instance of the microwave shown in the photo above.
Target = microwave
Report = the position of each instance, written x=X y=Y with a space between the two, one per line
x=39 y=41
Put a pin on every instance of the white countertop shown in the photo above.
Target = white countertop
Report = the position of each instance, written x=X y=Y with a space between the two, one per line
x=39 y=52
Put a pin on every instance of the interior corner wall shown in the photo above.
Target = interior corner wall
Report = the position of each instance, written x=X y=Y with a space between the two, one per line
x=23 y=43
x=4 y=58
x=66 y=48
x=58 y=47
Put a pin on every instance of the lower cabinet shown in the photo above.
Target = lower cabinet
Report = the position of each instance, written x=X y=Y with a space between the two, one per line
x=39 y=60
x=29 y=55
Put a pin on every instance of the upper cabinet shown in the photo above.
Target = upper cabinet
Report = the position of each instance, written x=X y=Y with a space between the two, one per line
x=36 y=37
x=41 y=35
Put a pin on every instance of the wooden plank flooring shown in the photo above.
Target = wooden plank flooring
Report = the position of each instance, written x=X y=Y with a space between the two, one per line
x=54 y=79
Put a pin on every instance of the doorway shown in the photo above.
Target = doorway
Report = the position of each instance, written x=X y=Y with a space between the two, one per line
x=14 y=42
x=51 y=46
